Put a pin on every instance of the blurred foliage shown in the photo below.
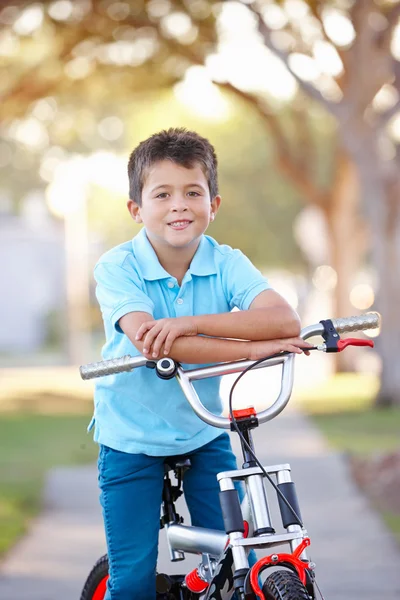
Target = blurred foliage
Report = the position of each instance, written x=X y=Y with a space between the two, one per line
x=83 y=63
x=342 y=392
x=29 y=446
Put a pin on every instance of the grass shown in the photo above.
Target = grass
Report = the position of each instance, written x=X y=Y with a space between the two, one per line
x=30 y=444
x=343 y=410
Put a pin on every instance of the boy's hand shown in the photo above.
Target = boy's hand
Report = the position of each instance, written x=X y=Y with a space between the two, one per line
x=163 y=333
x=261 y=349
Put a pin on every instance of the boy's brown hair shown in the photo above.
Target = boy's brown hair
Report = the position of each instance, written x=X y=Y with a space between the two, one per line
x=183 y=147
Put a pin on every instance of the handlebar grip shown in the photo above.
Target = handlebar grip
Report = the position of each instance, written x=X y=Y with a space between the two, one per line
x=106 y=367
x=360 y=323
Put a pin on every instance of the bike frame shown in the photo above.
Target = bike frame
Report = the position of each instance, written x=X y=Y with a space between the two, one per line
x=211 y=544
x=223 y=555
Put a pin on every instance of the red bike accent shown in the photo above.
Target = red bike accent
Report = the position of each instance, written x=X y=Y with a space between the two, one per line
x=342 y=344
x=245 y=533
x=195 y=583
x=244 y=412
x=246 y=529
x=101 y=589
x=294 y=559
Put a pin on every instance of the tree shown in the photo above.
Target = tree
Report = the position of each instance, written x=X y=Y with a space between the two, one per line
x=366 y=47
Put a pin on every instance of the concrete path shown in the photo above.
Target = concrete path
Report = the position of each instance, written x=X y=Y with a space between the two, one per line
x=356 y=557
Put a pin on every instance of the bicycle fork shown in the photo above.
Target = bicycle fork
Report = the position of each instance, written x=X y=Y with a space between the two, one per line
x=263 y=534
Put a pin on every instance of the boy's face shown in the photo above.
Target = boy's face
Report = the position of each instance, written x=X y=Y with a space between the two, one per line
x=176 y=206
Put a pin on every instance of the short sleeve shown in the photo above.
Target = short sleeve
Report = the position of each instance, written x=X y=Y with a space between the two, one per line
x=242 y=281
x=119 y=291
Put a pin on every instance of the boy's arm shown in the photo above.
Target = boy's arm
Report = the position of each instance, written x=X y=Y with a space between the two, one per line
x=195 y=350
x=202 y=350
x=269 y=317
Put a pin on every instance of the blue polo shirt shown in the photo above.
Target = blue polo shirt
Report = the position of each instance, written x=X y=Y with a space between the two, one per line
x=137 y=412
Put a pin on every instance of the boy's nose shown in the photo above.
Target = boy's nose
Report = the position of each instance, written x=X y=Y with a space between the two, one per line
x=179 y=204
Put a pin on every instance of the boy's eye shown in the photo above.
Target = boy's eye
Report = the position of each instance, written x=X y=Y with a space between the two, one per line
x=194 y=194
x=162 y=195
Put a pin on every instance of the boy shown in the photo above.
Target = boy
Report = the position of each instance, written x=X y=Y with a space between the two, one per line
x=170 y=291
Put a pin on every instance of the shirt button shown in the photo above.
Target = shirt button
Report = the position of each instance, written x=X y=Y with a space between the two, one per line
x=171 y=284
x=179 y=301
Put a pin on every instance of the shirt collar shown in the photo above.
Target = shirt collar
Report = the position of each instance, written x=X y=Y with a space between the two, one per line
x=202 y=263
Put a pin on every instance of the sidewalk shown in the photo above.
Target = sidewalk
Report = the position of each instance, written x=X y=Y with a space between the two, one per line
x=356 y=557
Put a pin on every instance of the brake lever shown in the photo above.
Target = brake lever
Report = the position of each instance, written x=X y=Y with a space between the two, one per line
x=342 y=344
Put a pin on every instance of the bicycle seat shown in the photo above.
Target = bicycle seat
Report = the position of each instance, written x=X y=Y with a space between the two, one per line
x=175 y=464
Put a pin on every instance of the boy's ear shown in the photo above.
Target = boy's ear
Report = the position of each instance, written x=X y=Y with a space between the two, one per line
x=215 y=204
x=134 y=210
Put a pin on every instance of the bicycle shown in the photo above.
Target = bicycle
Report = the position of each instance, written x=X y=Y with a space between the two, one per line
x=224 y=568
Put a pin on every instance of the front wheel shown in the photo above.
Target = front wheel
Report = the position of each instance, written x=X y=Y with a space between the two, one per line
x=284 y=585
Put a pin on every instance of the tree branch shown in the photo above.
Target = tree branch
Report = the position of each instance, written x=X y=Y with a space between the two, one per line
x=309 y=89
x=288 y=165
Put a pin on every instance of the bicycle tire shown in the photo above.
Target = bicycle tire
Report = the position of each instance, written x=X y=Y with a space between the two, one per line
x=95 y=585
x=284 y=585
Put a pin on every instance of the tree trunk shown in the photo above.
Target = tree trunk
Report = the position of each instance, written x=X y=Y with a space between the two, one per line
x=347 y=243
x=381 y=195
x=388 y=302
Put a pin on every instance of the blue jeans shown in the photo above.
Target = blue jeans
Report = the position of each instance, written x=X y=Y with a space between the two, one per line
x=131 y=489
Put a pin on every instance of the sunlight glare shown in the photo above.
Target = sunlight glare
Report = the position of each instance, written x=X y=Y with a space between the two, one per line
x=329 y=88
x=274 y=16
x=385 y=98
x=45 y=109
x=327 y=58
x=372 y=333
x=111 y=128
x=79 y=67
x=176 y=24
x=125 y=52
x=67 y=191
x=107 y=170
x=158 y=8
x=118 y=11
x=252 y=68
x=61 y=10
x=9 y=43
x=394 y=128
x=395 y=45
x=201 y=96
x=338 y=27
x=29 y=20
x=304 y=66
x=362 y=296
x=325 y=278
x=296 y=9
x=236 y=20
x=31 y=133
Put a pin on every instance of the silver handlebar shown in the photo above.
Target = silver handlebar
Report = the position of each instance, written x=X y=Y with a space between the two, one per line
x=185 y=377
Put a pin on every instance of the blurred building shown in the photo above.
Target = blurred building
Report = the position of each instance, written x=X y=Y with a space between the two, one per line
x=32 y=273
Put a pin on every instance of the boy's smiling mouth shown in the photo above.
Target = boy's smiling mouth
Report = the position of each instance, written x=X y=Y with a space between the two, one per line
x=180 y=224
